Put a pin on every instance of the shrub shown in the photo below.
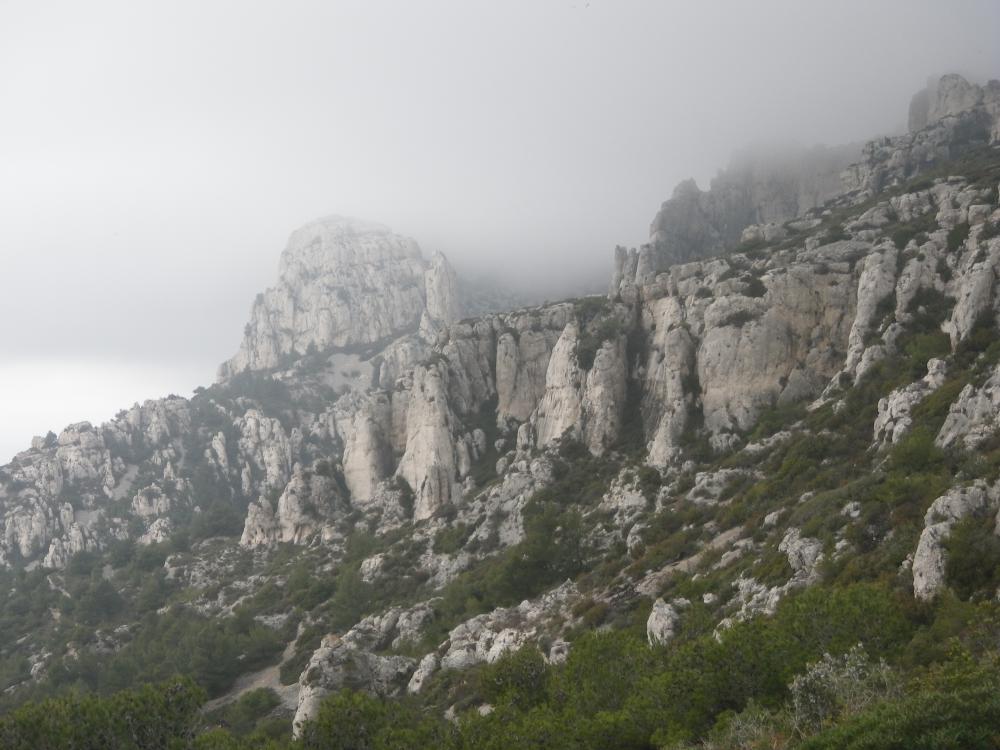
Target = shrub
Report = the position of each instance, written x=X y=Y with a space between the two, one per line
x=153 y=716
x=957 y=236
x=754 y=287
x=957 y=708
x=973 y=563
x=838 y=686
x=518 y=678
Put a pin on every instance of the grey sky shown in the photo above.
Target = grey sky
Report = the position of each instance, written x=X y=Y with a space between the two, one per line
x=154 y=156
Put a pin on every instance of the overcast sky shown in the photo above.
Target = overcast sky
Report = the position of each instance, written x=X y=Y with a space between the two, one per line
x=154 y=156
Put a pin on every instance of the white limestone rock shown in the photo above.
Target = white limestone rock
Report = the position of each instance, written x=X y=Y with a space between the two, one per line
x=429 y=464
x=266 y=451
x=661 y=625
x=344 y=282
x=558 y=413
x=929 y=560
x=308 y=505
x=603 y=401
x=485 y=638
x=877 y=282
x=893 y=420
x=974 y=289
x=424 y=671
x=804 y=556
x=336 y=665
x=974 y=416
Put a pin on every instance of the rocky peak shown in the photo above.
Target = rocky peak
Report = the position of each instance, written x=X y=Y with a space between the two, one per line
x=343 y=283
x=948 y=96
x=771 y=188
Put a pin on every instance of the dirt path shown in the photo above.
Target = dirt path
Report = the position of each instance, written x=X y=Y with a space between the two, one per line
x=268 y=677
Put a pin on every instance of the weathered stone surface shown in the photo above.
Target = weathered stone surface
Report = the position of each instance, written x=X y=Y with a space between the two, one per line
x=974 y=416
x=929 y=559
x=344 y=282
x=661 y=625
x=336 y=665
x=485 y=638
x=558 y=414
x=266 y=451
x=428 y=464
x=756 y=189
x=893 y=420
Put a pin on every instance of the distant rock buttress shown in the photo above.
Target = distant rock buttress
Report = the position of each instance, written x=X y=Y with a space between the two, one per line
x=344 y=282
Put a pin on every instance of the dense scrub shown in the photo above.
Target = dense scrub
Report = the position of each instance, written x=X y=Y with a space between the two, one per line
x=835 y=667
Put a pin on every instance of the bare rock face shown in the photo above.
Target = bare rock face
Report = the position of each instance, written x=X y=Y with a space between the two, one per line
x=91 y=465
x=949 y=96
x=428 y=464
x=582 y=403
x=929 y=560
x=756 y=189
x=877 y=282
x=485 y=638
x=267 y=452
x=367 y=450
x=344 y=282
x=524 y=346
x=974 y=416
x=558 y=413
x=893 y=420
x=661 y=626
x=441 y=290
x=603 y=400
x=975 y=288
x=735 y=341
x=338 y=664
x=307 y=506
x=259 y=529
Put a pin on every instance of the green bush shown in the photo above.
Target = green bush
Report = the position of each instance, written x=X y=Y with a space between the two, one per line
x=519 y=678
x=973 y=560
x=153 y=716
x=958 y=708
x=957 y=236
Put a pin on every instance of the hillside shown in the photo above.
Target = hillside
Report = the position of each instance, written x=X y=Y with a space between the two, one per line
x=748 y=499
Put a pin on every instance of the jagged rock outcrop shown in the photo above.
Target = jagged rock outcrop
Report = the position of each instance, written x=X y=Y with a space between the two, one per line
x=949 y=117
x=428 y=464
x=308 y=505
x=929 y=560
x=661 y=625
x=406 y=447
x=92 y=465
x=893 y=420
x=485 y=638
x=338 y=664
x=764 y=187
x=766 y=191
x=950 y=96
x=975 y=289
x=974 y=416
x=734 y=337
x=344 y=282
x=804 y=555
x=267 y=452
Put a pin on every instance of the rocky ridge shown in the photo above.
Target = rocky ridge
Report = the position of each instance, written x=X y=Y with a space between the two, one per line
x=360 y=404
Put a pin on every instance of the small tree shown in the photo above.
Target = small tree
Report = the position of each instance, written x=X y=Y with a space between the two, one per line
x=839 y=686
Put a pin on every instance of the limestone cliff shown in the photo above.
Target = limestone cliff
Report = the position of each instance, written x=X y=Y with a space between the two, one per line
x=366 y=436
x=344 y=282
